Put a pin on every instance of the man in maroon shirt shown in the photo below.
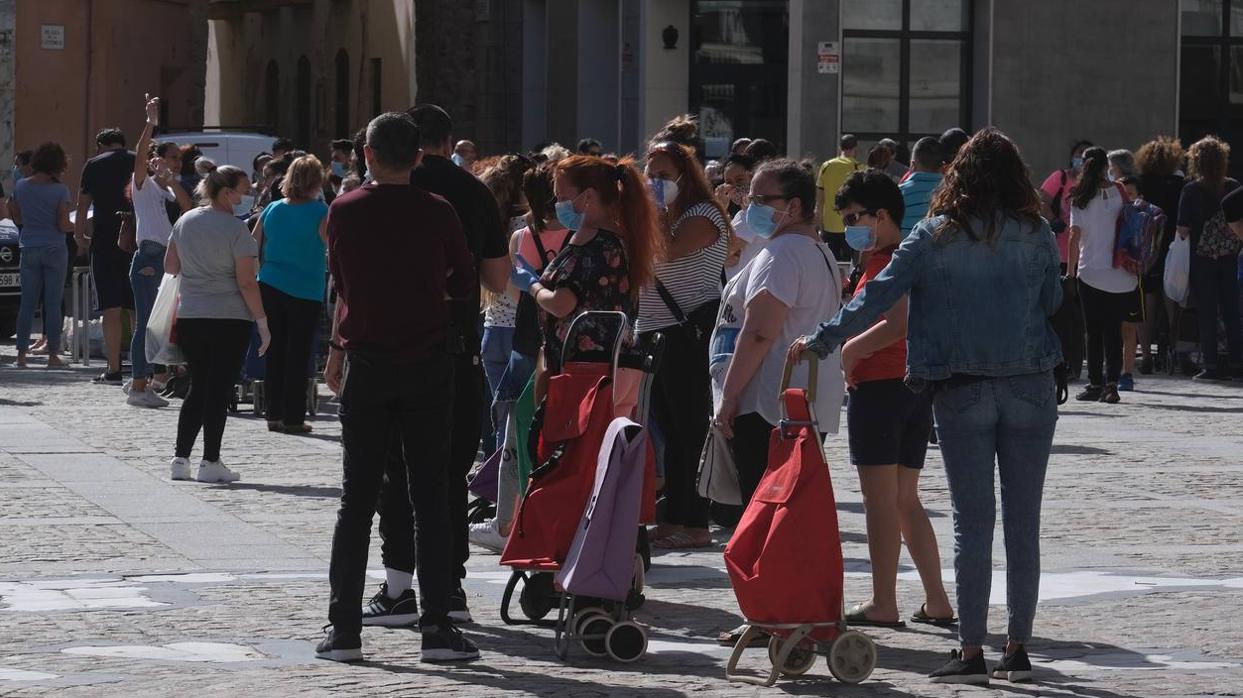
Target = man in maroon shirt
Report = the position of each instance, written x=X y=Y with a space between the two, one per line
x=395 y=252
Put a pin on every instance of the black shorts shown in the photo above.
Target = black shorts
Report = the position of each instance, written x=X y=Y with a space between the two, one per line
x=110 y=273
x=1133 y=306
x=888 y=424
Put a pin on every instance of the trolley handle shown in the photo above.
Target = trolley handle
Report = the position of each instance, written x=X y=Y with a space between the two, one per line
x=623 y=330
x=813 y=376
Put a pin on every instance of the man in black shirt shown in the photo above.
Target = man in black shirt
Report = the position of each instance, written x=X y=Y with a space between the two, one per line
x=486 y=238
x=104 y=178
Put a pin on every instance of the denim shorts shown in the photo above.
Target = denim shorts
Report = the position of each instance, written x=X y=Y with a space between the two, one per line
x=888 y=424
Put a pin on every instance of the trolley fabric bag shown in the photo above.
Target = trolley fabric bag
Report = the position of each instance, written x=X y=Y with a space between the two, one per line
x=601 y=559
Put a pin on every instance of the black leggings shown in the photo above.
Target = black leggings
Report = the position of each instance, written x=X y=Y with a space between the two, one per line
x=1103 y=313
x=750 y=447
x=214 y=351
x=681 y=401
x=292 y=322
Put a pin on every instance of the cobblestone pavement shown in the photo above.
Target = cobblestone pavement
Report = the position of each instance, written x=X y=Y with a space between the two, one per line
x=116 y=581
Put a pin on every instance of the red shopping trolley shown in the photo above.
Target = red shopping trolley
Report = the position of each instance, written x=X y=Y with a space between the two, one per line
x=785 y=557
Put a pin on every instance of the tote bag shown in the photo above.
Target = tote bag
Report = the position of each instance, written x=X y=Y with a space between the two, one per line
x=161 y=348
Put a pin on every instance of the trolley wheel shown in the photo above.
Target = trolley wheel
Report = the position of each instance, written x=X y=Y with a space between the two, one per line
x=538 y=596
x=583 y=614
x=593 y=634
x=800 y=659
x=852 y=657
x=626 y=642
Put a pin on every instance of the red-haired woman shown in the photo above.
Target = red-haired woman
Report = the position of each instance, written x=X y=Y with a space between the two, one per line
x=682 y=303
x=606 y=261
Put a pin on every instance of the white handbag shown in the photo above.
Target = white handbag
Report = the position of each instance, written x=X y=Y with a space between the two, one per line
x=718 y=475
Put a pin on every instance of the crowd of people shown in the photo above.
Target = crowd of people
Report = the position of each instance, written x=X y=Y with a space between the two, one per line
x=454 y=278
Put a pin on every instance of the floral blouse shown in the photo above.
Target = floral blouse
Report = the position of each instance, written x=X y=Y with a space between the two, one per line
x=598 y=274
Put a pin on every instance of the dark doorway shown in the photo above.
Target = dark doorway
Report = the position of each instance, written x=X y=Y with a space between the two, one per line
x=1211 y=75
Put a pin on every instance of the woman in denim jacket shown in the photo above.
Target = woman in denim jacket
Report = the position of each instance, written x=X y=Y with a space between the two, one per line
x=983 y=280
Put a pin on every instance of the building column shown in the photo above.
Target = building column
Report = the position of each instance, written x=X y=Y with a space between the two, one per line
x=664 y=73
x=814 y=114
x=599 y=71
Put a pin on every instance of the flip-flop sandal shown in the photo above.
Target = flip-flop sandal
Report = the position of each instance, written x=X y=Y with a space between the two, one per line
x=730 y=638
x=857 y=617
x=921 y=616
x=680 y=541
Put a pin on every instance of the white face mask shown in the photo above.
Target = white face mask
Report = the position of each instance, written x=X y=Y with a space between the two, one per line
x=243 y=207
x=665 y=191
x=517 y=223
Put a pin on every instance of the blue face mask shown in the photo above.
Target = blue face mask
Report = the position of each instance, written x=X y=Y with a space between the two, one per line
x=17 y=174
x=338 y=169
x=860 y=238
x=457 y=159
x=1076 y=163
x=568 y=217
x=762 y=220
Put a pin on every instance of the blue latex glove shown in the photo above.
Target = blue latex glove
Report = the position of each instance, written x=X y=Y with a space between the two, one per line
x=524 y=275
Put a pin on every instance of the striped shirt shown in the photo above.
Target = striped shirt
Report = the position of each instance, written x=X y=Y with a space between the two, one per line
x=917 y=193
x=692 y=280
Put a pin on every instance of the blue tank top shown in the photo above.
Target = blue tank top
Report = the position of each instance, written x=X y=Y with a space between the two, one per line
x=294 y=256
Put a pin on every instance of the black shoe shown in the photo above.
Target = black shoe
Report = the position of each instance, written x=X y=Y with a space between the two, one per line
x=1110 y=395
x=1092 y=393
x=1211 y=374
x=458 y=610
x=965 y=671
x=107 y=378
x=401 y=612
x=339 y=647
x=1015 y=667
x=445 y=643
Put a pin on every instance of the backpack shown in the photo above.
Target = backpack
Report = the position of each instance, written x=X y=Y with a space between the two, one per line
x=1139 y=229
x=1217 y=240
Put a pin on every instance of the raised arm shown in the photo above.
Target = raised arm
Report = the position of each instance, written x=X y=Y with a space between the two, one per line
x=144 y=141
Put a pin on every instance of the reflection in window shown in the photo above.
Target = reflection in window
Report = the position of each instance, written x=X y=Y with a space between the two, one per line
x=935 y=87
x=730 y=33
x=871 y=73
x=872 y=14
x=1202 y=17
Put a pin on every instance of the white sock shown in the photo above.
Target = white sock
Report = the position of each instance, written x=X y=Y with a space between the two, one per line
x=398 y=582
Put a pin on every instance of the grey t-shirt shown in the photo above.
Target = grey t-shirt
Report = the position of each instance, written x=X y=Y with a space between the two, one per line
x=208 y=243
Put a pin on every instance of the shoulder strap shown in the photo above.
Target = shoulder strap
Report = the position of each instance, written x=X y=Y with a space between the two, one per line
x=834 y=273
x=539 y=247
x=670 y=303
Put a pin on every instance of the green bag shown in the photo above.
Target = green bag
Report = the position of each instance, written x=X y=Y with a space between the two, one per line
x=523 y=413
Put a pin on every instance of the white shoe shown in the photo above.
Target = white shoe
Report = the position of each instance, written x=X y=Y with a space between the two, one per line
x=125 y=388
x=486 y=536
x=215 y=472
x=145 y=398
x=180 y=469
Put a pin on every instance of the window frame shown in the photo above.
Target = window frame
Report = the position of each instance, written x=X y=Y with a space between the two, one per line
x=905 y=35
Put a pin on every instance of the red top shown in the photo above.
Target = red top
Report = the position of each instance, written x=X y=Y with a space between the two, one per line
x=888 y=363
x=395 y=251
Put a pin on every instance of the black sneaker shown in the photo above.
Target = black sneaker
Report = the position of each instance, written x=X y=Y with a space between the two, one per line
x=1092 y=393
x=1015 y=667
x=107 y=378
x=339 y=647
x=1211 y=374
x=459 y=612
x=401 y=612
x=965 y=671
x=445 y=643
x=1110 y=395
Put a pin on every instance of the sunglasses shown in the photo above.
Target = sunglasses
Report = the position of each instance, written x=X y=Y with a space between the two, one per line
x=762 y=199
x=853 y=218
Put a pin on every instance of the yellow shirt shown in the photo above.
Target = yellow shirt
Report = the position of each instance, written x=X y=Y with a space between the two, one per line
x=833 y=174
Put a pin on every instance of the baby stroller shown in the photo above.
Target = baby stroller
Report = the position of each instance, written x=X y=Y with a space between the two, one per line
x=785 y=557
x=579 y=519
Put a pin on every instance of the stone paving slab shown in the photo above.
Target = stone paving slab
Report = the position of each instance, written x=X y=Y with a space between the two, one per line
x=116 y=582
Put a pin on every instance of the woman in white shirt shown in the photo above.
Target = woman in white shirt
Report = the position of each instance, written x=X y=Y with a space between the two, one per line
x=780 y=295
x=1106 y=292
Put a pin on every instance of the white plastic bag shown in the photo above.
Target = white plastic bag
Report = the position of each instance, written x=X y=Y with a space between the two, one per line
x=1178 y=270
x=160 y=348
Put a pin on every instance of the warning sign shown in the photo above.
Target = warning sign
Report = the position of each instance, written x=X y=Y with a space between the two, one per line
x=828 y=57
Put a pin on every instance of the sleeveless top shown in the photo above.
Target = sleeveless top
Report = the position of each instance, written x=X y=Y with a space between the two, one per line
x=692 y=280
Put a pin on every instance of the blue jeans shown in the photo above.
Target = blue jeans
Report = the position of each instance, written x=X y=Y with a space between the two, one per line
x=43 y=271
x=1007 y=424
x=145 y=274
x=494 y=352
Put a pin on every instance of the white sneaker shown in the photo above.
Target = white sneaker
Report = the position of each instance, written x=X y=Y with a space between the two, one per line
x=180 y=469
x=486 y=536
x=215 y=472
x=145 y=398
x=125 y=388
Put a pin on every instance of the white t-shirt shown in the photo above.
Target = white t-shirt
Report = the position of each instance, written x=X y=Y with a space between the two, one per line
x=150 y=216
x=799 y=272
x=1098 y=225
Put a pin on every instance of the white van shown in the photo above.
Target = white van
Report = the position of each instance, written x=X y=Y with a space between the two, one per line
x=225 y=147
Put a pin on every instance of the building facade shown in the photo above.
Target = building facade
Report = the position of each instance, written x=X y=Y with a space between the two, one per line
x=69 y=68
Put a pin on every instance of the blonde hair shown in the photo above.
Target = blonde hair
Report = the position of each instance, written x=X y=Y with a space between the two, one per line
x=216 y=181
x=304 y=178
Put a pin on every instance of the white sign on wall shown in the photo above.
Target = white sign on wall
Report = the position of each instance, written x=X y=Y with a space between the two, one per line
x=52 y=37
x=828 y=57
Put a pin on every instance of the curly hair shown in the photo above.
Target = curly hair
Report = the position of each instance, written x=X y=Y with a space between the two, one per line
x=504 y=178
x=1162 y=156
x=1207 y=161
x=49 y=158
x=988 y=177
